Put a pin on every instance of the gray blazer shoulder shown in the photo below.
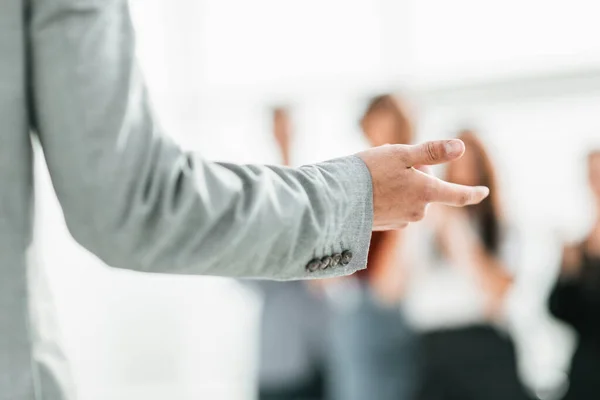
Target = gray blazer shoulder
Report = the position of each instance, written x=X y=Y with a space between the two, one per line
x=134 y=198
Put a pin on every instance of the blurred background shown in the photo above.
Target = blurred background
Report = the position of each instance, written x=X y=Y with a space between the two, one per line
x=525 y=75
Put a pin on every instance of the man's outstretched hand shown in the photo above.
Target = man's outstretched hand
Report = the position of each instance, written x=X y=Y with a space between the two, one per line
x=401 y=192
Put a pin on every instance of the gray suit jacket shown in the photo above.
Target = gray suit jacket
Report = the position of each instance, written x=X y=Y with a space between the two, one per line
x=129 y=194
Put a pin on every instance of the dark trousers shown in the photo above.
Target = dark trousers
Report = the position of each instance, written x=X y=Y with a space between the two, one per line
x=311 y=390
x=474 y=363
x=584 y=378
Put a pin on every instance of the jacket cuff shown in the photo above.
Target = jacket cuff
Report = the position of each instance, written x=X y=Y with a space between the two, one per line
x=349 y=234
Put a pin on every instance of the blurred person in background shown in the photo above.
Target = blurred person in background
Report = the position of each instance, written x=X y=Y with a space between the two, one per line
x=459 y=286
x=293 y=322
x=373 y=350
x=575 y=299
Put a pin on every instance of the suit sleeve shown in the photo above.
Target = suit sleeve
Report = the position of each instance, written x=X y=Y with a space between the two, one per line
x=135 y=199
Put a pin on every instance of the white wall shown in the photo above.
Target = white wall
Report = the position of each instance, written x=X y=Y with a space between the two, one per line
x=469 y=39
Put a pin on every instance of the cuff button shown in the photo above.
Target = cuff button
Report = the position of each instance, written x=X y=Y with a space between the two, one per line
x=326 y=262
x=336 y=260
x=346 y=257
x=314 y=265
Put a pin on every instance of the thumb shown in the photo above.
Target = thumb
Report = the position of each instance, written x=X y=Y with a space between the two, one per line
x=438 y=152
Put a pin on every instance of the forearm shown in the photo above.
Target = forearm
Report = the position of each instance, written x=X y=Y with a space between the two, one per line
x=491 y=270
x=386 y=257
x=131 y=196
x=593 y=245
x=386 y=275
x=494 y=279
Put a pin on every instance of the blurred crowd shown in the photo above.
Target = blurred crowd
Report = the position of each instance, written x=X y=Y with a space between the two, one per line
x=430 y=318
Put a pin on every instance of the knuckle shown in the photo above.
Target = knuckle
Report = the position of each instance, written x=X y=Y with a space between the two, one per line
x=400 y=154
x=416 y=215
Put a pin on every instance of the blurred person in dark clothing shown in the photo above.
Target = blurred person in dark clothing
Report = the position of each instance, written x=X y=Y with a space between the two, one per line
x=459 y=290
x=373 y=348
x=293 y=321
x=575 y=299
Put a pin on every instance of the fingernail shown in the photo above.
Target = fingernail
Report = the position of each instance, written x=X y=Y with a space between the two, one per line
x=484 y=190
x=454 y=147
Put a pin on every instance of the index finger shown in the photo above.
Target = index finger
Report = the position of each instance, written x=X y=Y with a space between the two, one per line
x=452 y=194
